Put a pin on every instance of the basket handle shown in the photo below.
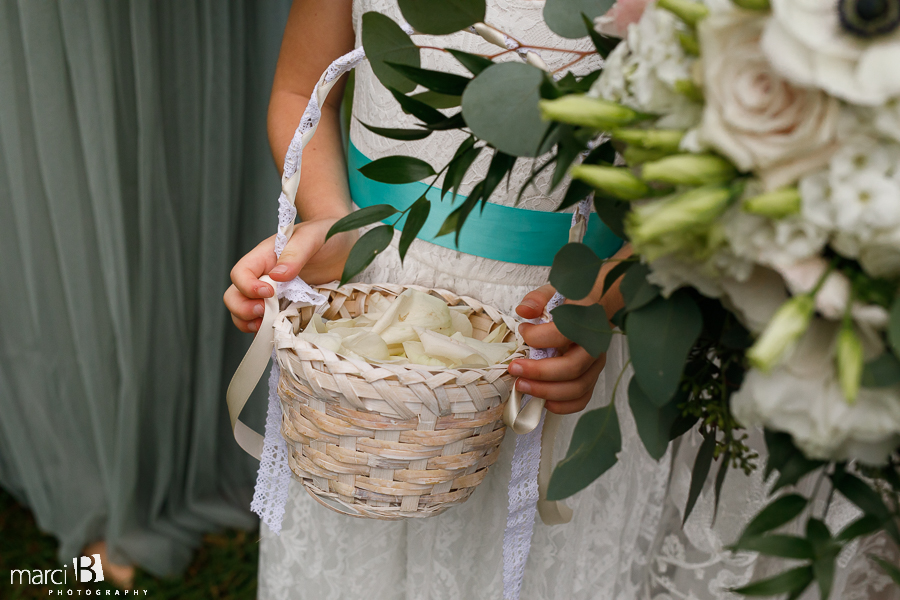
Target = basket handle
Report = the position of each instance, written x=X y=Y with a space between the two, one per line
x=254 y=363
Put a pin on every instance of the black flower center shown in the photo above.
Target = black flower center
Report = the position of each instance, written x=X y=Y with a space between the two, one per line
x=869 y=18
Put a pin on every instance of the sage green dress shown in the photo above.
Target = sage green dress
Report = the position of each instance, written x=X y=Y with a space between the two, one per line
x=134 y=170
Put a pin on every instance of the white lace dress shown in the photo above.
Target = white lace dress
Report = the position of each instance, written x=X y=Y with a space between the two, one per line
x=625 y=540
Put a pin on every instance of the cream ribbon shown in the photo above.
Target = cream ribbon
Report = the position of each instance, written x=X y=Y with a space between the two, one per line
x=248 y=374
x=523 y=420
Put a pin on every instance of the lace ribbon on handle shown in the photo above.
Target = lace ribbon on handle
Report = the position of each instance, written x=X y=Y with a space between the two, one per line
x=531 y=467
x=273 y=478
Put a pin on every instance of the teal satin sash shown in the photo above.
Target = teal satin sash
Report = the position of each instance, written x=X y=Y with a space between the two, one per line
x=504 y=233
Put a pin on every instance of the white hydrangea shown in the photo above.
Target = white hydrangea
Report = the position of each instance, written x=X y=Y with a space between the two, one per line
x=856 y=200
x=772 y=242
x=643 y=70
x=803 y=397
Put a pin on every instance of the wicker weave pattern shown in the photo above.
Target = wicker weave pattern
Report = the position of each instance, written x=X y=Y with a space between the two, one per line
x=389 y=441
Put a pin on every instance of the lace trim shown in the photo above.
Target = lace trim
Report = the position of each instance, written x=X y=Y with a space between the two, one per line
x=274 y=476
x=523 y=485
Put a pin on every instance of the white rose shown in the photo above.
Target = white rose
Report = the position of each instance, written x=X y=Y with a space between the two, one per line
x=803 y=398
x=806 y=41
x=753 y=116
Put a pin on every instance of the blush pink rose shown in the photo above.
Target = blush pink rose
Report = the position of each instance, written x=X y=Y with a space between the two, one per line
x=622 y=14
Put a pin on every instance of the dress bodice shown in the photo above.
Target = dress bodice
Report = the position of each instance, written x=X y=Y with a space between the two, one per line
x=374 y=105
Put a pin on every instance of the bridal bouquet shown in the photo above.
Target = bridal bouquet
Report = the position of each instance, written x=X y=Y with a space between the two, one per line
x=749 y=151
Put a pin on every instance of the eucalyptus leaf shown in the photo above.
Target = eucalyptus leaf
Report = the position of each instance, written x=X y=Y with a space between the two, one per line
x=435 y=100
x=563 y=17
x=364 y=251
x=720 y=481
x=653 y=423
x=596 y=443
x=603 y=44
x=575 y=270
x=436 y=81
x=501 y=165
x=501 y=107
x=863 y=526
x=636 y=290
x=797 y=467
x=587 y=326
x=417 y=108
x=781 y=511
x=660 y=335
x=456 y=219
x=883 y=371
x=859 y=493
x=894 y=327
x=612 y=212
x=614 y=274
x=397 y=169
x=893 y=571
x=780 y=448
x=575 y=193
x=473 y=62
x=441 y=17
x=361 y=218
x=398 y=134
x=451 y=175
x=782 y=546
x=569 y=148
x=789 y=581
x=699 y=473
x=384 y=40
x=452 y=122
x=418 y=214
x=457 y=168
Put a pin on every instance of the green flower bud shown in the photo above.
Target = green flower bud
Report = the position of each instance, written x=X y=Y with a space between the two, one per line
x=656 y=139
x=635 y=155
x=849 y=361
x=690 y=169
x=687 y=10
x=689 y=43
x=686 y=212
x=776 y=205
x=615 y=181
x=789 y=323
x=578 y=109
x=752 y=4
x=689 y=89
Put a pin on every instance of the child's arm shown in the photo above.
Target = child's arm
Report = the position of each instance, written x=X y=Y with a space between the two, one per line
x=317 y=33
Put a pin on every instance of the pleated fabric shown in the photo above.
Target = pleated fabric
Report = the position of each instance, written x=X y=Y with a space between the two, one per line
x=134 y=170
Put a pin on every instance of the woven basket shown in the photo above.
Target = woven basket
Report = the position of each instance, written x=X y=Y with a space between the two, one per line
x=388 y=441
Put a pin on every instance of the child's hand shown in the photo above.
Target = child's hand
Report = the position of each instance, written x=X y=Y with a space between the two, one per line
x=306 y=254
x=565 y=381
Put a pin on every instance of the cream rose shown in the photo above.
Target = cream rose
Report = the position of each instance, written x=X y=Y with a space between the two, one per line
x=754 y=116
x=806 y=42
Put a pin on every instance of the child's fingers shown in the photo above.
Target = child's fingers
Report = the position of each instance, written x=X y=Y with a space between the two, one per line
x=253 y=265
x=564 y=391
x=308 y=238
x=532 y=305
x=545 y=335
x=246 y=309
x=566 y=367
x=246 y=326
x=572 y=406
